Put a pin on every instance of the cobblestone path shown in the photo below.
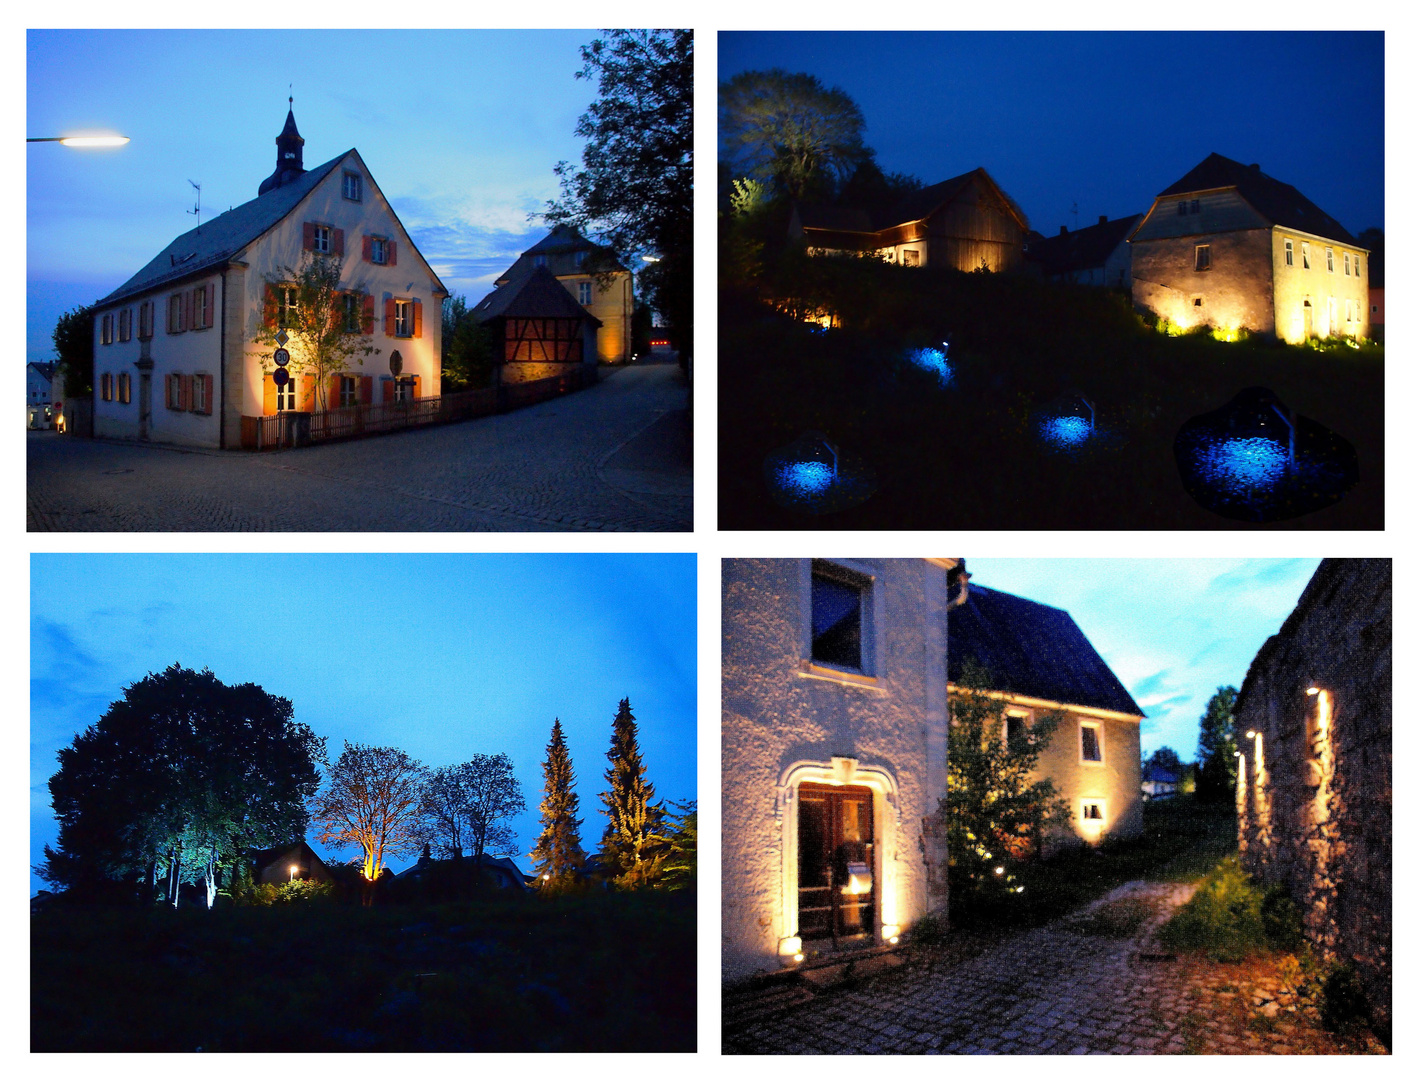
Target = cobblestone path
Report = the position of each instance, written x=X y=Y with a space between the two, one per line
x=588 y=460
x=1093 y=983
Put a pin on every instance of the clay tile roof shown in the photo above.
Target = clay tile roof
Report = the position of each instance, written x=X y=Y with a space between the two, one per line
x=1281 y=204
x=1033 y=650
x=536 y=295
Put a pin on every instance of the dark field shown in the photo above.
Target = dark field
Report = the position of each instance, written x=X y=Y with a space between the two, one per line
x=613 y=973
x=966 y=455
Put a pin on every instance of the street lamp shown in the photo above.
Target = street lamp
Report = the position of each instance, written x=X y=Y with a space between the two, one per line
x=293 y=871
x=85 y=141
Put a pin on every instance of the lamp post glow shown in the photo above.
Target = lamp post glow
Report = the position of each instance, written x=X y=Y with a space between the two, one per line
x=85 y=142
x=293 y=871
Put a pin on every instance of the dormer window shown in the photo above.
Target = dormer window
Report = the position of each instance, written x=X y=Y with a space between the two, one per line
x=353 y=187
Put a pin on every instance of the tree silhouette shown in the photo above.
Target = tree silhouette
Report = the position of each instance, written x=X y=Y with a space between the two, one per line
x=1218 y=765
x=633 y=819
x=558 y=855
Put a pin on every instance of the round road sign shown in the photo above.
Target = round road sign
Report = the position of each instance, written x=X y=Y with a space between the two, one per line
x=281 y=377
x=282 y=356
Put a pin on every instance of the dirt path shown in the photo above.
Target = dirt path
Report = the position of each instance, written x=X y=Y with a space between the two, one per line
x=1092 y=983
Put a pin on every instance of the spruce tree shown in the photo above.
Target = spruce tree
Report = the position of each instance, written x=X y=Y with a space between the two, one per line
x=557 y=853
x=632 y=831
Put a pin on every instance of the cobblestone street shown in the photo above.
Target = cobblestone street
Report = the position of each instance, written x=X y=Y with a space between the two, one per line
x=1092 y=983
x=614 y=456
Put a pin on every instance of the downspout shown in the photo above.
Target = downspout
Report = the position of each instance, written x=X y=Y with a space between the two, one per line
x=222 y=360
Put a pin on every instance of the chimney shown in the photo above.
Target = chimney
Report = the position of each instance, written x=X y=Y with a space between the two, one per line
x=1103 y=220
x=1254 y=167
x=1063 y=230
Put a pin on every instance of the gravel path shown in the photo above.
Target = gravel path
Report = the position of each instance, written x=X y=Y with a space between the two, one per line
x=535 y=469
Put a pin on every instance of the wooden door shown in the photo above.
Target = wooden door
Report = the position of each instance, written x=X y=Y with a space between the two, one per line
x=836 y=878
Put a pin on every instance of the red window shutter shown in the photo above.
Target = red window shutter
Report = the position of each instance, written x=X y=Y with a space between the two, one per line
x=338 y=242
x=417 y=318
x=210 y=402
x=390 y=309
x=208 y=317
x=368 y=313
x=392 y=253
x=309 y=235
x=368 y=248
x=365 y=389
x=272 y=308
x=269 y=395
x=188 y=320
x=335 y=385
x=417 y=387
x=387 y=388
x=167 y=390
x=307 y=401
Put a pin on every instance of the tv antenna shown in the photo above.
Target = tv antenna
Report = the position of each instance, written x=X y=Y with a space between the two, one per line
x=197 y=210
x=1075 y=216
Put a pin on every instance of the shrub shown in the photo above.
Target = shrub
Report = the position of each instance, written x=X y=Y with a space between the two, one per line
x=1343 y=1006
x=930 y=932
x=1223 y=919
x=1282 y=921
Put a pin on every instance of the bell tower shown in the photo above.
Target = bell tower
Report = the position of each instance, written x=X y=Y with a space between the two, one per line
x=289 y=155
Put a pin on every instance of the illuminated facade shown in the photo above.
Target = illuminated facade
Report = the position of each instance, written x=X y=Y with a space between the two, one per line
x=1313 y=723
x=1039 y=662
x=175 y=352
x=834 y=753
x=594 y=278
x=967 y=223
x=1229 y=247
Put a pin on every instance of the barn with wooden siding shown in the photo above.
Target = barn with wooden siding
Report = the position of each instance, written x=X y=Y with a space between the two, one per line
x=967 y=223
x=538 y=330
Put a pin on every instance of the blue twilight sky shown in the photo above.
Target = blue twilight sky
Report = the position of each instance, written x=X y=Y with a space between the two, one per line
x=463 y=141
x=443 y=656
x=1106 y=120
x=1172 y=630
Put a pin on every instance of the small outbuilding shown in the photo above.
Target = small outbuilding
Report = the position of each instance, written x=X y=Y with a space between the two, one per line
x=289 y=862
x=538 y=330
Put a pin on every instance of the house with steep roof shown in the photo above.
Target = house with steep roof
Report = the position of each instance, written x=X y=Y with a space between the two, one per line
x=594 y=277
x=176 y=353
x=500 y=873
x=538 y=330
x=288 y=862
x=40 y=401
x=1098 y=255
x=1039 y=661
x=967 y=222
x=1229 y=247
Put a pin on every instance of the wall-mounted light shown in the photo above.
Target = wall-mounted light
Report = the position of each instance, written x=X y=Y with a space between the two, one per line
x=1313 y=690
x=1252 y=734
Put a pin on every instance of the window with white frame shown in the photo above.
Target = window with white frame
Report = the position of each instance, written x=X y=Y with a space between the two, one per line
x=1346 y=262
x=348 y=391
x=377 y=250
x=199 y=402
x=353 y=187
x=840 y=618
x=145 y=319
x=402 y=318
x=586 y=293
x=403 y=389
x=1358 y=265
x=175 y=320
x=1287 y=252
x=1092 y=743
x=1202 y=256
x=911 y=256
x=288 y=298
x=1331 y=262
x=199 y=306
x=285 y=396
x=320 y=239
x=1306 y=255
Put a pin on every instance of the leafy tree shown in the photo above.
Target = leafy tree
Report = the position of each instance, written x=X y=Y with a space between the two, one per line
x=176 y=780
x=634 y=190
x=870 y=188
x=469 y=804
x=558 y=855
x=373 y=798
x=73 y=343
x=995 y=808
x=467 y=360
x=324 y=321
x=633 y=819
x=790 y=131
x=1218 y=766
x=1372 y=239
x=1167 y=759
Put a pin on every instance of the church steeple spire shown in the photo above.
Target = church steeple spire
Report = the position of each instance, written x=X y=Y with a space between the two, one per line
x=289 y=155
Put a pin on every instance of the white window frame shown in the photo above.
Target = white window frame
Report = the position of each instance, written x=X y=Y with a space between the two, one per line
x=288 y=304
x=1358 y=265
x=1331 y=261
x=286 y=394
x=403 y=388
x=175 y=314
x=378 y=250
x=1203 y=258
x=1099 y=728
x=199 y=404
x=403 y=317
x=1346 y=262
x=353 y=186
x=1306 y=255
x=586 y=293
x=199 y=307
x=348 y=391
x=320 y=237
x=1287 y=251
x=864 y=577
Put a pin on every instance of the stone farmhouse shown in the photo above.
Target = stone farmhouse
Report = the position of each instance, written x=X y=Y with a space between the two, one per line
x=1229 y=247
x=176 y=357
x=1313 y=722
x=1040 y=662
x=835 y=699
x=594 y=277
x=967 y=223
x=1096 y=255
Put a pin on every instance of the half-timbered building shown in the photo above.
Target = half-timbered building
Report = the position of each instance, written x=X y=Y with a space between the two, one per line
x=538 y=330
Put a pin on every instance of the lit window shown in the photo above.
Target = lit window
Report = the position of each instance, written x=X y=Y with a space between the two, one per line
x=1306 y=255
x=1091 y=742
x=321 y=239
x=285 y=396
x=1092 y=811
x=586 y=293
x=353 y=186
x=125 y=388
x=1331 y=262
x=839 y=602
x=1358 y=265
x=402 y=318
x=911 y=257
x=1201 y=256
x=1287 y=251
x=289 y=299
x=1014 y=726
x=1346 y=262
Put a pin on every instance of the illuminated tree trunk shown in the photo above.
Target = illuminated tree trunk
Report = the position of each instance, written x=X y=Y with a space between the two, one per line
x=174 y=880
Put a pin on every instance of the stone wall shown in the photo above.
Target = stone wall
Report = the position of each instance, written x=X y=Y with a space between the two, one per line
x=1315 y=782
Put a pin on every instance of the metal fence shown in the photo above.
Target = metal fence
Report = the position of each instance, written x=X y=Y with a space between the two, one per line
x=289 y=429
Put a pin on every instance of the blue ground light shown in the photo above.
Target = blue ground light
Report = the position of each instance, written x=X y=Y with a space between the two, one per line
x=933 y=360
x=805 y=477
x=1238 y=465
x=1066 y=432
